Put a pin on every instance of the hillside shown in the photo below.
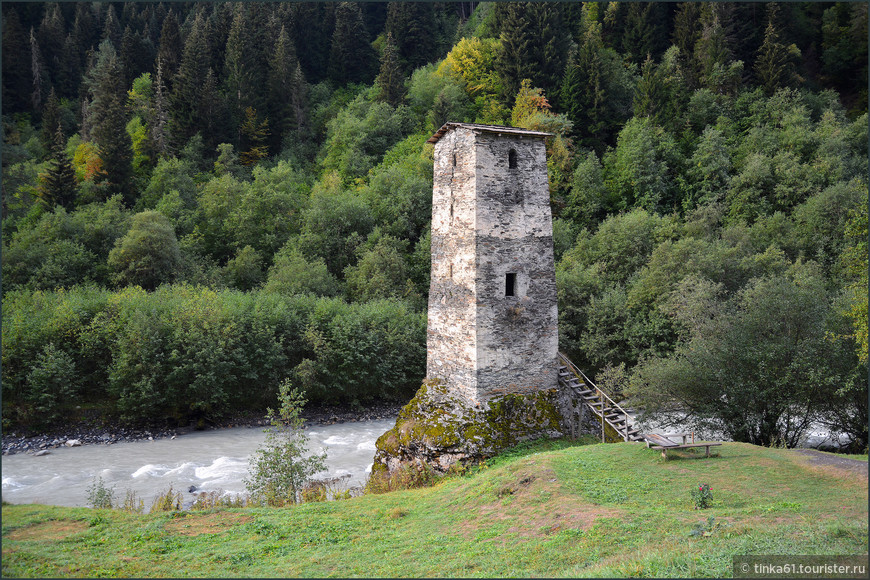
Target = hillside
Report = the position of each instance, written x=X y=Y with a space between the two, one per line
x=201 y=200
x=544 y=510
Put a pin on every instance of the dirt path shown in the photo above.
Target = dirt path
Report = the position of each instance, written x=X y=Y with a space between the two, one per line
x=817 y=458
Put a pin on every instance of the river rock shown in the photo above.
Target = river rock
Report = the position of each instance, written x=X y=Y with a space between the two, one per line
x=73 y=443
x=41 y=453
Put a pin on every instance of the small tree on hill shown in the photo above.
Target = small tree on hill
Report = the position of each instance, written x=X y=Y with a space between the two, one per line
x=279 y=468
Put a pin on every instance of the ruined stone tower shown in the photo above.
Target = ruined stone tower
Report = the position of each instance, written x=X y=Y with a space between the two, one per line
x=492 y=326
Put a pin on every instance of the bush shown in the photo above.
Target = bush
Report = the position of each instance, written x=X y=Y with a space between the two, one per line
x=100 y=496
x=52 y=382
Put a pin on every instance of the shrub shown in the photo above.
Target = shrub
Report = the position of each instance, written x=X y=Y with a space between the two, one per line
x=52 y=382
x=99 y=495
x=279 y=468
x=167 y=501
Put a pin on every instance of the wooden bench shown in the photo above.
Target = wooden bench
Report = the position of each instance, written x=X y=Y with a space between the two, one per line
x=654 y=441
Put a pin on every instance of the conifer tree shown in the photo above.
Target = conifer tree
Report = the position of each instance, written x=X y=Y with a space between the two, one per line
x=351 y=56
x=160 y=120
x=50 y=37
x=774 y=65
x=687 y=32
x=189 y=83
x=411 y=24
x=645 y=30
x=58 y=185
x=50 y=120
x=111 y=27
x=533 y=45
x=391 y=89
x=37 y=74
x=282 y=66
x=17 y=84
x=108 y=116
x=254 y=135
x=170 y=49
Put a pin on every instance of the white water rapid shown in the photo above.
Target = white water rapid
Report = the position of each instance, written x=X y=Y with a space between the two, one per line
x=208 y=460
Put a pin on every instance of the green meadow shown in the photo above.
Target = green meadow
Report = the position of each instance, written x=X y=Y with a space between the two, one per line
x=546 y=509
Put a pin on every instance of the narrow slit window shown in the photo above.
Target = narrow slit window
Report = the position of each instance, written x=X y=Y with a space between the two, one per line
x=510 y=284
x=512 y=159
x=454 y=160
x=451 y=271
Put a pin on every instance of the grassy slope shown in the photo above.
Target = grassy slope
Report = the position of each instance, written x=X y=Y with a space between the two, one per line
x=596 y=510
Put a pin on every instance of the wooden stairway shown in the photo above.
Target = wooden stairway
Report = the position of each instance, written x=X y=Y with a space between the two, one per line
x=601 y=405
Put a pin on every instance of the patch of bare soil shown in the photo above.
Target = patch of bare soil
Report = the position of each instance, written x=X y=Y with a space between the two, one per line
x=833 y=464
x=536 y=504
x=47 y=531
x=213 y=523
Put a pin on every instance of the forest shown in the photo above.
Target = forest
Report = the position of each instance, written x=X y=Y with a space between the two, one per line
x=200 y=200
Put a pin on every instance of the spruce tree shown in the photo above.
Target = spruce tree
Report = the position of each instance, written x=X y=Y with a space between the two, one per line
x=37 y=75
x=774 y=65
x=111 y=27
x=50 y=120
x=391 y=88
x=58 y=185
x=189 y=83
x=687 y=32
x=282 y=66
x=411 y=24
x=170 y=48
x=108 y=116
x=160 y=120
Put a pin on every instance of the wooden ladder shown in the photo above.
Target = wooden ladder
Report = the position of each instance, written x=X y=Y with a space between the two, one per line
x=599 y=402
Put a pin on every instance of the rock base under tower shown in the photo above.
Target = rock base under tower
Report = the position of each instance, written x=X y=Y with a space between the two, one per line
x=440 y=430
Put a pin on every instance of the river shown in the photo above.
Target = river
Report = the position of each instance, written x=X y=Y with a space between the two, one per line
x=208 y=460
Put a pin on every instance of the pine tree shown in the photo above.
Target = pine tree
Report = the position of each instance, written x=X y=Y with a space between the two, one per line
x=718 y=71
x=58 y=184
x=351 y=56
x=391 y=88
x=212 y=113
x=108 y=116
x=774 y=65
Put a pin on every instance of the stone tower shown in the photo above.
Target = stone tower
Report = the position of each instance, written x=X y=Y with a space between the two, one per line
x=492 y=326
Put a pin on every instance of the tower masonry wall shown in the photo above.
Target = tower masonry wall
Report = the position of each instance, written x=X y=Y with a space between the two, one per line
x=492 y=326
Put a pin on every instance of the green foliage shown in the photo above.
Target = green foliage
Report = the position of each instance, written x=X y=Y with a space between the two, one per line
x=280 y=467
x=99 y=495
x=148 y=254
x=245 y=271
x=702 y=497
x=360 y=134
x=763 y=393
x=292 y=274
x=52 y=383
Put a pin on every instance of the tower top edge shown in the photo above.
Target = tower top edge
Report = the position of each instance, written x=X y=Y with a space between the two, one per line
x=446 y=127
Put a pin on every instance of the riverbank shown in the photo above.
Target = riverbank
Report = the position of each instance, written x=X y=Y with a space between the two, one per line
x=90 y=430
x=547 y=510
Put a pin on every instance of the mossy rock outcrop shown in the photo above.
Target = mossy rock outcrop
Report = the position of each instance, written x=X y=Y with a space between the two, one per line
x=439 y=429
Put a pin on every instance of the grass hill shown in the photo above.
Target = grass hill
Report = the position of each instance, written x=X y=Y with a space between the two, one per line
x=547 y=509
